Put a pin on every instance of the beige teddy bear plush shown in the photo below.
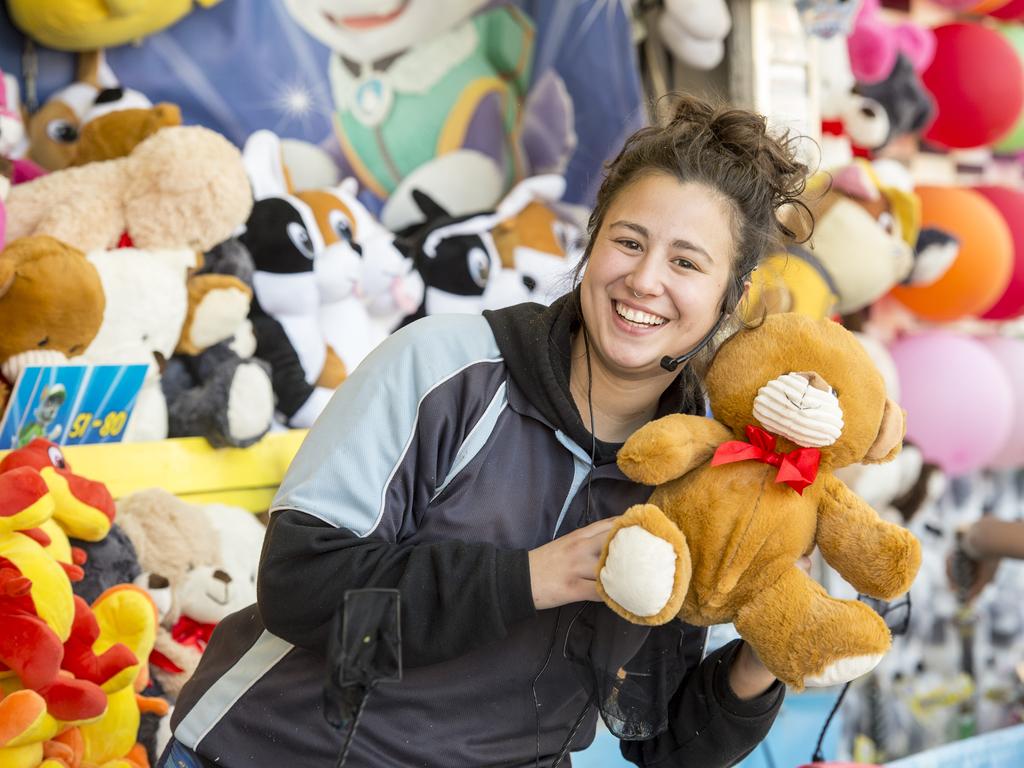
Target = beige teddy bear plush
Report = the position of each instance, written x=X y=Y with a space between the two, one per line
x=208 y=555
x=183 y=187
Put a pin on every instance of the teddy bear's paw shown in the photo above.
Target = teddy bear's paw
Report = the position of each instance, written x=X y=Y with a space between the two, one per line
x=639 y=572
x=844 y=670
x=250 y=403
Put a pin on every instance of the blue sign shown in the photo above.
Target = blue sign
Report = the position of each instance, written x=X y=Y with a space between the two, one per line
x=71 y=404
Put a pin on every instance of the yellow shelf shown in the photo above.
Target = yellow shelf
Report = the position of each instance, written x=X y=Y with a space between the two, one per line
x=189 y=468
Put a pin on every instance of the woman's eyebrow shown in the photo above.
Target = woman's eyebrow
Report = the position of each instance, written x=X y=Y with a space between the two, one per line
x=640 y=229
x=678 y=243
x=686 y=245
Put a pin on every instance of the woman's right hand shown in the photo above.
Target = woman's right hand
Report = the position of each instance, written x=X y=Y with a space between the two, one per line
x=564 y=571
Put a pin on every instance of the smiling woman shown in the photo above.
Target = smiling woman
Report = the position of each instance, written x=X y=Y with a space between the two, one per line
x=456 y=466
x=685 y=213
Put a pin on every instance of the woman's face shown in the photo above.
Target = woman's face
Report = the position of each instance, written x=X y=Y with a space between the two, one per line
x=657 y=273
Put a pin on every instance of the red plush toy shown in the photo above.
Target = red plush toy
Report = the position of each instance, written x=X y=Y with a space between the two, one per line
x=35 y=596
x=84 y=508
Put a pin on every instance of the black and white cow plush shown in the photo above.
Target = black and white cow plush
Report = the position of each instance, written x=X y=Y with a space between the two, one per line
x=520 y=251
x=285 y=242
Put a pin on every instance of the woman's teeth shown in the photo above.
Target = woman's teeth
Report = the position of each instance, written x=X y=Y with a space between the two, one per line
x=637 y=317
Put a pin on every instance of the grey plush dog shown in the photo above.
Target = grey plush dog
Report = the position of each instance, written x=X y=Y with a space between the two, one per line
x=223 y=394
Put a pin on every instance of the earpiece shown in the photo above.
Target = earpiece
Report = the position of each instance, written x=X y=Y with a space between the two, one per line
x=671 y=363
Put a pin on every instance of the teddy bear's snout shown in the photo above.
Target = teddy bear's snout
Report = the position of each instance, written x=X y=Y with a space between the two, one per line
x=223 y=576
x=801 y=407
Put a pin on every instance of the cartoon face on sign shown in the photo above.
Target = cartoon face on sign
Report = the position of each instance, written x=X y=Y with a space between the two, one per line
x=373 y=29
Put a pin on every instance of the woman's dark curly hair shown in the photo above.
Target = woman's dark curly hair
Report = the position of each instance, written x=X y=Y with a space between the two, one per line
x=730 y=151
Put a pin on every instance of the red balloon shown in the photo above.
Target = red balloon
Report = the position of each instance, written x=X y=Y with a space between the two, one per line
x=978 y=85
x=1010 y=204
x=1012 y=10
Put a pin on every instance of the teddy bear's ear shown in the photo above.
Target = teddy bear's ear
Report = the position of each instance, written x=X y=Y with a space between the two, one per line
x=890 y=435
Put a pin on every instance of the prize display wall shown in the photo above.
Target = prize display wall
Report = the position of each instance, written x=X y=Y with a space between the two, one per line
x=203 y=239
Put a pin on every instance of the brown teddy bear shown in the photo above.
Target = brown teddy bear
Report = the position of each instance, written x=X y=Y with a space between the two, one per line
x=183 y=187
x=51 y=305
x=739 y=500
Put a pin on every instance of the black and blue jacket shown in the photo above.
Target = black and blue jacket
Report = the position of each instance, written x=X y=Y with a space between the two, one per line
x=453 y=450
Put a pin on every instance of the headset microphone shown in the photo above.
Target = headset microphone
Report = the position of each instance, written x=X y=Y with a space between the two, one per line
x=671 y=363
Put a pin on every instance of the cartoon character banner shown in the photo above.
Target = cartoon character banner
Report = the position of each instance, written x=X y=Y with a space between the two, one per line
x=396 y=92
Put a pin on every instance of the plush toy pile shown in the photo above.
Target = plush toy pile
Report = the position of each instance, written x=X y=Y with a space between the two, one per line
x=88 y=607
x=70 y=670
x=249 y=299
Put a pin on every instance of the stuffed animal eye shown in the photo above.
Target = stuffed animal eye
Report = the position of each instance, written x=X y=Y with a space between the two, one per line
x=479 y=266
x=340 y=225
x=56 y=457
x=300 y=239
x=62 y=131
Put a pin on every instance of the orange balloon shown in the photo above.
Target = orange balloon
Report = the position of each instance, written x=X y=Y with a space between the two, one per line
x=982 y=270
x=987 y=5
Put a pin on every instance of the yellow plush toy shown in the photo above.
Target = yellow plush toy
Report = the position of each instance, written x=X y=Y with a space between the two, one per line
x=85 y=25
x=125 y=614
x=793 y=280
x=862 y=245
x=740 y=499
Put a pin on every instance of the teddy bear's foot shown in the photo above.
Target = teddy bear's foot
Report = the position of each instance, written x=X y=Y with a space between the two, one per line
x=843 y=671
x=807 y=637
x=645 y=567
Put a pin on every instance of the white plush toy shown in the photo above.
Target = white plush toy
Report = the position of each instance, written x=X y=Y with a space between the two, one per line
x=367 y=285
x=147 y=301
x=391 y=286
x=695 y=31
x=207 y=554
x=147 y=308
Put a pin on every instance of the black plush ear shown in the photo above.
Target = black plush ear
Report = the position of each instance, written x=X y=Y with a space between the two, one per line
x=430 y=209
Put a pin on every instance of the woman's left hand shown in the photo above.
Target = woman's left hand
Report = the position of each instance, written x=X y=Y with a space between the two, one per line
x=749 y=677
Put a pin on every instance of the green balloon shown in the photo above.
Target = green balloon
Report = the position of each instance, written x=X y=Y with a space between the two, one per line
x=1014 y=140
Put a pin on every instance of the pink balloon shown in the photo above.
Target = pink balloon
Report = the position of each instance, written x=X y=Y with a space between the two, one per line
x=958 y=398
x=1010 y=354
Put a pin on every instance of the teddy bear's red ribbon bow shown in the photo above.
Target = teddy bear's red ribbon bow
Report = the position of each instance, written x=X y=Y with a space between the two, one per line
x=191 y=632
x=797 y=469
